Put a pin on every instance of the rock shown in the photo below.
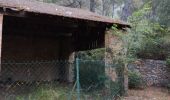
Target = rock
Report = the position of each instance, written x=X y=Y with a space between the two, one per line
x=154 y=72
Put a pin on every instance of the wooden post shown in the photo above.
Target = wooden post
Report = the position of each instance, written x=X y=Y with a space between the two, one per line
x=1 y=24
x=125 y=81
x=71 y=68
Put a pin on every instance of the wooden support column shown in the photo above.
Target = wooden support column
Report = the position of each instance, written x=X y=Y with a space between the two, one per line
x=1 y=24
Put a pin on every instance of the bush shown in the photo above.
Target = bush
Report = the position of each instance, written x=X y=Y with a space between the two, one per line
x=92 y=75
x=168 y=87
x=168 y=61
x=135 y=80
x=152 y=48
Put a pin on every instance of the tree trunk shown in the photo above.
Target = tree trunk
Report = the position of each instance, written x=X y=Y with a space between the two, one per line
x=92 y=5
x=127 y=10
x=113 y=7
x=103 y=8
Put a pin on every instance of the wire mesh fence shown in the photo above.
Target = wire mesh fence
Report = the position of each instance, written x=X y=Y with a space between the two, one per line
x=58 y=80
x=98 y=80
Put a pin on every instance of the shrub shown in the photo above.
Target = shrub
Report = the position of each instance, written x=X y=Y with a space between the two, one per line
x=168 y=87
x=135 y=80
x=152 y=49
x=168 y=61
x=92 y=75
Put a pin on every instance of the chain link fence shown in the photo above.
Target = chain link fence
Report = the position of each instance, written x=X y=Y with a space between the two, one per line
x=98 y=80
x=58 y=80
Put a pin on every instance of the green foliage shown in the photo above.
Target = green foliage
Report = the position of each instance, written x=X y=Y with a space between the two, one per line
x=151 y=49
x=60 y=92
x=146 y=39
x=97 y=54
x=128 y=49
x=163 y=11
x=168 y=62
x=47 y=92
x=92 y=75
x=141 y=28
x=155 y=45
x=135 y=80
x=168 y=87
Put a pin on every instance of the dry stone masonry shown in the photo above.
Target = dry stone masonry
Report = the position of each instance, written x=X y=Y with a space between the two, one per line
x=154 y=72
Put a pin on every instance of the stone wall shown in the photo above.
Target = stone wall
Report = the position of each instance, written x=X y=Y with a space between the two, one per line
x=113 y=46
x=154 y=72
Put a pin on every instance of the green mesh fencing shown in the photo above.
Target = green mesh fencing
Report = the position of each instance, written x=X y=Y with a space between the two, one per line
x=98 y=80
x=58 y=80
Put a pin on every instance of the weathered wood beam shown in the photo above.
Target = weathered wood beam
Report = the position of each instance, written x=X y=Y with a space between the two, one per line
x=1 y=28
x=38 y=32
x=9 y=11
x=39 y=21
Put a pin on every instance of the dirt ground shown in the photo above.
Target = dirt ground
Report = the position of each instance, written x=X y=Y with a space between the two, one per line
x=151 y=93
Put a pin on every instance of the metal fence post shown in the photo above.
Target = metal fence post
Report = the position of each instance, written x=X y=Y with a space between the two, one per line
x=78 y=80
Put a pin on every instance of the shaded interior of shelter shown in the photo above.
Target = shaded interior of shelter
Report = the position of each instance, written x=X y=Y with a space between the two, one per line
x=37 y=39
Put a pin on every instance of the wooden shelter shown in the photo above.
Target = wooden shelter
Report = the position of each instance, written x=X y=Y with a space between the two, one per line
x=31 y=31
